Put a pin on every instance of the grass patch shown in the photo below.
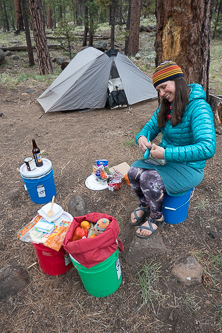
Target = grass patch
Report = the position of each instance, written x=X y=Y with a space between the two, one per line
x=130 y=142
x=202 y=205
x=215 y=71
x=217 y=261
x=218 y=312
x=191 y=304
x=211 y=263
x=148 y=277
x=13 y=79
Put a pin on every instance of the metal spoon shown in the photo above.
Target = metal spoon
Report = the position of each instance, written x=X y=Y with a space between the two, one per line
x=50 y=212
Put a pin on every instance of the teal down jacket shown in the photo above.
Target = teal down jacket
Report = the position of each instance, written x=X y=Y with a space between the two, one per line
x=191 y=142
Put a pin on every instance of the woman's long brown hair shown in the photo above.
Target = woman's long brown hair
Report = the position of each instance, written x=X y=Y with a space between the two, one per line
x=179 y=104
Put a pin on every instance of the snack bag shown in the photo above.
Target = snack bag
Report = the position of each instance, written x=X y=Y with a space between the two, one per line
x=101 y=170
x=114 y=183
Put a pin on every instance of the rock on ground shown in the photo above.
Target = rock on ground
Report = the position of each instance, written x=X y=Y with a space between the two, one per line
x=2 y=56
x=141 y=249
x=77 y=206
x=190 y=272
x=12 y=280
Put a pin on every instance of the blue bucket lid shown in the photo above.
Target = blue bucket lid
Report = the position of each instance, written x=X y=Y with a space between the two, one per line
x=38 y=171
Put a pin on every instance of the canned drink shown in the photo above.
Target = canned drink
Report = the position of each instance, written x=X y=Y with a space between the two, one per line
x=30 y=163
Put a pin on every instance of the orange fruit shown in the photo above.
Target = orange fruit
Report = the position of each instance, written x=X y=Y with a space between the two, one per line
x=92 y=236
x=85 y=225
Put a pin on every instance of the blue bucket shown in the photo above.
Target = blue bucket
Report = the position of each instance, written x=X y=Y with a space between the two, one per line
x=39 y=182
x=175 y=208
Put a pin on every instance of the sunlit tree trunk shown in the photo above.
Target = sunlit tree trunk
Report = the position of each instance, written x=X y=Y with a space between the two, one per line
x=132 y=44
x=42 y=50
x=49 y=18
x=183 y=35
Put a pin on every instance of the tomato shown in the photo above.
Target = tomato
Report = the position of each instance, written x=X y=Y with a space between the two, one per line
x=79 y=233
x=85 y=225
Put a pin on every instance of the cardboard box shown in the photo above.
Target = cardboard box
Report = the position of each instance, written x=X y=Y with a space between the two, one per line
x=122 y=168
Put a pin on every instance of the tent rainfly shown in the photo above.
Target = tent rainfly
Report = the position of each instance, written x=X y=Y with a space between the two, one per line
x=96 y=79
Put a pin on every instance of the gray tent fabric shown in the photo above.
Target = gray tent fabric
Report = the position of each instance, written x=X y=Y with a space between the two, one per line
x=83 y=84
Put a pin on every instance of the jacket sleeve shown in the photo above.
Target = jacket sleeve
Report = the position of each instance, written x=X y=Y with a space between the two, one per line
x=203 y=137
x=150 y=129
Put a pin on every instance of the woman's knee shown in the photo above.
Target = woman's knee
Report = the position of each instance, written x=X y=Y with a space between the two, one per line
x=150 y=179
x=134 y=173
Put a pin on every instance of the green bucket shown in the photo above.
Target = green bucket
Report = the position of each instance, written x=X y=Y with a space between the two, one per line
x=102 y=279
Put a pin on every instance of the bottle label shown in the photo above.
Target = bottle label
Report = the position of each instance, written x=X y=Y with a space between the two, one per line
x=41 y=191
x=38 y=157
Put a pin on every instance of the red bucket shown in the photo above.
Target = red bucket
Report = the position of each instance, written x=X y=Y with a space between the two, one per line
x=52 y=262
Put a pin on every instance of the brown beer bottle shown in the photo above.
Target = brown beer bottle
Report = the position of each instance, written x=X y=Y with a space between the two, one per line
x=36 y=154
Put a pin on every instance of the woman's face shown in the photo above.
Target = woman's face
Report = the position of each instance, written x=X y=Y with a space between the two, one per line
x=167 y=90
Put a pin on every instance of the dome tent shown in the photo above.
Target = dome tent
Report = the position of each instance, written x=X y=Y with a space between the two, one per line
x=83 y=84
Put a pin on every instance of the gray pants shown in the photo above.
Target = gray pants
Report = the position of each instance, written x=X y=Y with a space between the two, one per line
x=149 y=188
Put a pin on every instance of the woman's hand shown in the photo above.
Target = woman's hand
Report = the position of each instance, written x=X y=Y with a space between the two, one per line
x=143 y=143
x=157 y=151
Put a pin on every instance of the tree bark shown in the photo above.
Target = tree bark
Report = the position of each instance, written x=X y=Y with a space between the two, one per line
x=49 y=18
x=86 y=26
x=112 y=19
x=183 y=35
x=5 y=16
x=18 y=15
x=42 y=50
x=27 y=33
x=134 y=27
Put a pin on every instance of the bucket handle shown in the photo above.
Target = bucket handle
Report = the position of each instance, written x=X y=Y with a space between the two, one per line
x=30 y=188
x=191 y=196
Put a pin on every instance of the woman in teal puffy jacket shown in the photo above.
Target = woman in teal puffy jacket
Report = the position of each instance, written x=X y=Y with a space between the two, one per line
x=176 y=165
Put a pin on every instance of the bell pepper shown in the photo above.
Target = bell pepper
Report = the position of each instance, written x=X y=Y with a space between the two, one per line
x=80 y=233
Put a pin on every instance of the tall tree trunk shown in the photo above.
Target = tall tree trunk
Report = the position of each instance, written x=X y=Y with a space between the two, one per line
x=18 y=15
x=86 y=25
x=183 y=35
x=127 y=29
x=42 y=50
x=49 y=18
x=27 y=33
x=113 y=11
x=90 y=38
x=134 y=27
x=5 y=16
x=218 y=7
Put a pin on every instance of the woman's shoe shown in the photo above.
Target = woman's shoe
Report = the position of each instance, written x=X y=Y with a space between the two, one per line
x=140 y=220
x=159 y=225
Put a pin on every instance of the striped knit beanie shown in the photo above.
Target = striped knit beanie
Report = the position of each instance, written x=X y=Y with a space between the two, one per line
x=166 y=71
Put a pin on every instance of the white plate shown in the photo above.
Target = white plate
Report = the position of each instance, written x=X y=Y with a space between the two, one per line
x=94 y=184
x=57 y=212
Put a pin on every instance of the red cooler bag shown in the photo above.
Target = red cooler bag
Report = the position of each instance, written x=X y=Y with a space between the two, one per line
x=91 y=251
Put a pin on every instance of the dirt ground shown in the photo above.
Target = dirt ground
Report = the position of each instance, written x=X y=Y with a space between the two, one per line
x=73 y=141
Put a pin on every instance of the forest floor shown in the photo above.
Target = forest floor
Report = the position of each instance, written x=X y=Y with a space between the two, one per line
x=73 y=141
